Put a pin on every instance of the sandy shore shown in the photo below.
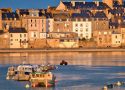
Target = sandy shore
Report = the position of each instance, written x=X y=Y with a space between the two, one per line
x=65 y=50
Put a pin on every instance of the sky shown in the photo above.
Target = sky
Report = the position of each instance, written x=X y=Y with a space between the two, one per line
x=28 y=3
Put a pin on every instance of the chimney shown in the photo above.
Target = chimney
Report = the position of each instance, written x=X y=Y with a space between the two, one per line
x=84 y=1
x=73 y=2
x=96 y=2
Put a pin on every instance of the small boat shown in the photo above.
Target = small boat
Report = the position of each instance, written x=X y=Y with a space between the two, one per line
x=10 y=73
x=63 y=62
x=42 y=79
x=47 y=67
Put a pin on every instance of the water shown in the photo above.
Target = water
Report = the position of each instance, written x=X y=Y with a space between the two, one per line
x=86 y=70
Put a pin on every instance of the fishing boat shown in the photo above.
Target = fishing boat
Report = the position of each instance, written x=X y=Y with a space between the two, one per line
x=20 y=72
x=42 y=79
x=23 y=71
x=47 y=67
x=10 y=73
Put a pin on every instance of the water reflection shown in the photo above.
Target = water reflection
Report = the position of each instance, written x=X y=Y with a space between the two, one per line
x=73 y=58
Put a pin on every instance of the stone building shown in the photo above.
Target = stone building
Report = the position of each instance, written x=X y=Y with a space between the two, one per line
x=4 y=39
x=62 y=23
x=116 y=39
x=18 y=38
x=82 y=24
x=10 y=20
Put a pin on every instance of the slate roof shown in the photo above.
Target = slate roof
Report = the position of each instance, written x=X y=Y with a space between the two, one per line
x=87 y=5
x=100 y=14
x=116 y=11
x=17 y=30
x=115 y=24
x=122 y=25
x=83 y=14
x=23 y=11
x=10 y=15
x=68 y=4
x=62 y=16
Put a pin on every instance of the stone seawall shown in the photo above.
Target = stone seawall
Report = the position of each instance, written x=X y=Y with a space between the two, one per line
x=61 y=50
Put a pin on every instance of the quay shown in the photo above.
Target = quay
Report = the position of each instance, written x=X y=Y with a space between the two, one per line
x=63 y=50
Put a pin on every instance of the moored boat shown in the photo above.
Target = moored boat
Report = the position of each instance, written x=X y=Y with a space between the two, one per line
x=20 y=72
x=10 y=73
x=23 y=71
x=42 y=79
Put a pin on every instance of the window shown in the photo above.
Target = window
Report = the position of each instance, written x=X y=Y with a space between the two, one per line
x=16 y=39
x=31 y=20
x=81 y=30
x=31 y=25
x=81 y=35
x=99 y=33
x=86 y=37
x=65 y=25
x=81 y=25
x=86 y=29
x=76 y=30
x=42 y=21
x=34 y=34
x=42 y=30
x=24 y=35
x=11 y=35
x=116 y=37
x=11 y=39
x=20 y=35
x=76 y=25
x=105 y=33
x=86 y=24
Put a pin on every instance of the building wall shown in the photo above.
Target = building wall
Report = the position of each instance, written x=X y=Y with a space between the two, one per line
x=123 y=36
x=0 y=20
x=69 y=44
x=116 y=40
x=120 y=2
x=61 y=6
x=18 y=40
x=53 y=43
x=100 y=24
x=109 y=3
x=4 y=40
x=103 y=38
x=83 y=28
x=62 y=26
x=11 y=23
x=49 y=25
x=34 y=26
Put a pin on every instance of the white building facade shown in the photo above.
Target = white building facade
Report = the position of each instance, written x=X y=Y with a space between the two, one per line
x=83 y=28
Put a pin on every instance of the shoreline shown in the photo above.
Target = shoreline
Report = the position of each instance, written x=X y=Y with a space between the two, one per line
x=63 y=50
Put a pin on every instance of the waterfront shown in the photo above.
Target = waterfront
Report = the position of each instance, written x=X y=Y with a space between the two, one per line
x=86 y=70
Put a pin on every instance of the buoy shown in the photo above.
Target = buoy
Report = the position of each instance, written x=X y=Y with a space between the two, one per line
x=33 y=85
x=118 y=83
x=27 y=86
x=105 y=88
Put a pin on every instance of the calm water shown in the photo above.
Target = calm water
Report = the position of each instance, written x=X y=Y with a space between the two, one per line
x=86 y=70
